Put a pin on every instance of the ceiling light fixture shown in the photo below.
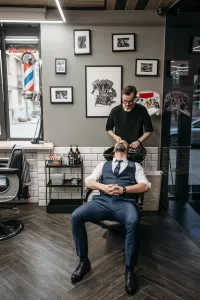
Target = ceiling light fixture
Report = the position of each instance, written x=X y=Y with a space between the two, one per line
x=32 y=21
x=23 y=40
x=60 y=10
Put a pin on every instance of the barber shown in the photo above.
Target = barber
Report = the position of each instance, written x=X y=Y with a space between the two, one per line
x=130 y=120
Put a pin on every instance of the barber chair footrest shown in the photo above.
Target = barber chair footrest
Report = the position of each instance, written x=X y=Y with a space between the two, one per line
x=115 y=239
x=10 y=228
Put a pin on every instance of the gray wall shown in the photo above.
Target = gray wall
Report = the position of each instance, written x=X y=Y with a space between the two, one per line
x=66 y=124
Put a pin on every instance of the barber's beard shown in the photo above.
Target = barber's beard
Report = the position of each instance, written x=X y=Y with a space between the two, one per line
x=129 y=108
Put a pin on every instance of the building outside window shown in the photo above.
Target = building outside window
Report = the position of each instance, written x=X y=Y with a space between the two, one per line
x=24 y=114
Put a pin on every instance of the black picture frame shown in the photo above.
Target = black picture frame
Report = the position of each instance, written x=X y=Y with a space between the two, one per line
x=182 y=66
x=61 y=89
x=195 y=45
x=119 y=49
x=65 y=66
x=148 y=61
x=120 y=81
x=89 y=36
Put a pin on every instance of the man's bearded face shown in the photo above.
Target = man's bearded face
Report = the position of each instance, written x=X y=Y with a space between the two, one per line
x=121 y=146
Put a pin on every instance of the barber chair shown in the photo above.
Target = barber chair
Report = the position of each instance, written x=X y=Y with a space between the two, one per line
x=115 y=235
x=10 y=172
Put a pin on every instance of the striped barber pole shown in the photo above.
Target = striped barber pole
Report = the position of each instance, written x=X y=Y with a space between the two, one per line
x=28 y=77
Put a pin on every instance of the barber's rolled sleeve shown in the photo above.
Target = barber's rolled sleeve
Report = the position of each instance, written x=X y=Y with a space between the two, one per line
x=96 y=174
x=140 y=176
x=148 y=127
x=110 y=123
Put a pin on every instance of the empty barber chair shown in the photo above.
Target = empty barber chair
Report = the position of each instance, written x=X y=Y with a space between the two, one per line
x=115 y=235
x=10 y=172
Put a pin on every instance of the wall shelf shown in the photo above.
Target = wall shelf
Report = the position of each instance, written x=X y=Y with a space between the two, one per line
x=62 y=205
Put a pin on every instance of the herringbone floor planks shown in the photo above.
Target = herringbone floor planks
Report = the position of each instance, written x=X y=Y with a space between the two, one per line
x=38 y=263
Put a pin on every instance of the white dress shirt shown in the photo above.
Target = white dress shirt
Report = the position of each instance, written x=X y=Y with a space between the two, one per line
x=140 y=176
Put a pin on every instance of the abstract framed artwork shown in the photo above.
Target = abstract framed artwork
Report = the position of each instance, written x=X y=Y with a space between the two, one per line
x=61 y=94
x=60 y=65
x=82 y=42
x=146 y=67
x=195 y=44
x=103 y=89
x=123 y=42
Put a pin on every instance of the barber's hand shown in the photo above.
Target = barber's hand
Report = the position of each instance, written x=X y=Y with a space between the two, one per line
x=135 y=144
x=117 y=138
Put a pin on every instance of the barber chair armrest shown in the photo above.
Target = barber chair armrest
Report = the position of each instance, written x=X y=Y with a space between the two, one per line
x=4 y=160
x=8 y=171
x=86 y=194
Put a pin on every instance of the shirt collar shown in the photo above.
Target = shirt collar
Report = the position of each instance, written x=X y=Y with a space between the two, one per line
x=124 y=160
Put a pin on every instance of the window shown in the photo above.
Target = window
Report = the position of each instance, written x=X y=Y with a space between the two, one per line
x=2 y=113
x=24 y=112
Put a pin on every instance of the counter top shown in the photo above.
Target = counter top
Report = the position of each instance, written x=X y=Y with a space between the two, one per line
x=7 y=145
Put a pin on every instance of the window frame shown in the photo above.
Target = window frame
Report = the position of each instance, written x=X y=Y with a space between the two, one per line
x=5 y=126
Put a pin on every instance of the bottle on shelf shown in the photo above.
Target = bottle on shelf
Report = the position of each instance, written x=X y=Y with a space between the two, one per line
x=77 y=156
x=71 y=156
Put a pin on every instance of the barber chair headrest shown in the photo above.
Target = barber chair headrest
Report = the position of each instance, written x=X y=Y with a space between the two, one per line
x=137 y=155
x=15 y=160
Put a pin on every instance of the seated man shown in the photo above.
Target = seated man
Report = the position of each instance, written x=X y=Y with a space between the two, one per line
x=121 y=181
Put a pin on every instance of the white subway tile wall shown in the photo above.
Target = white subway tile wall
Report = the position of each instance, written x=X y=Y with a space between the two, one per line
x=92 y=156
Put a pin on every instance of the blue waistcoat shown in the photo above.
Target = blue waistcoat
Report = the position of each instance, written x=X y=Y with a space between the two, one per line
x=125 y=178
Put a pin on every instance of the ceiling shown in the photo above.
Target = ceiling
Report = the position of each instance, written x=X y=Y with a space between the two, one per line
x=93 y=4
x=187 y=6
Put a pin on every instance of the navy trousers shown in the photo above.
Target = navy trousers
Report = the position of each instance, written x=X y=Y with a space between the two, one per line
x=104 y=207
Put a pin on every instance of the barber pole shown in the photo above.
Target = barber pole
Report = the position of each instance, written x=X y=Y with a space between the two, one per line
x=28 y=77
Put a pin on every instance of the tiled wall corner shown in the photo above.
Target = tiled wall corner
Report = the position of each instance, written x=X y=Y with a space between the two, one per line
x=41 y=157
x=33 y=167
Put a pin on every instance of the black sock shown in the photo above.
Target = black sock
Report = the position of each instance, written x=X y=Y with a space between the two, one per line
x=83 y=258
x=129 y=268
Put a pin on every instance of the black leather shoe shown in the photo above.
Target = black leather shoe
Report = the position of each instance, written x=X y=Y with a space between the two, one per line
x=81 y=270
x=131 y=282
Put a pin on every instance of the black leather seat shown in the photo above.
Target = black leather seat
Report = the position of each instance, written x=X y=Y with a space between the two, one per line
x=10 y=172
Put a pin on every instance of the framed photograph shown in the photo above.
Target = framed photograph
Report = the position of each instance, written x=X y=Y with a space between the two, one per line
x=61 y=94
x=196 y=44
x=103 y=89
x=123 y=42
x=179 y=67
x=82 y=42
x=146 y=67
x=60 y=65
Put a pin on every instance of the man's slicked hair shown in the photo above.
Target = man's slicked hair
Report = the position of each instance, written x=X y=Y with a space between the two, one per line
x=128 y=90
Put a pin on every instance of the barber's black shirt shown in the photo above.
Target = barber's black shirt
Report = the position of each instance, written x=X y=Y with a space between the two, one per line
x=129 y=125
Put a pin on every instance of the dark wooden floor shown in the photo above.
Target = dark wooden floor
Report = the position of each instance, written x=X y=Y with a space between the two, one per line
x=38 y=263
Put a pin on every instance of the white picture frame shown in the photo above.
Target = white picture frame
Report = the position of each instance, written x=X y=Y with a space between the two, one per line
x=103 y=89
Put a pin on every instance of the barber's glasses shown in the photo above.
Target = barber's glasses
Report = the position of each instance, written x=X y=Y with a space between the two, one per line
x=128 y=102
